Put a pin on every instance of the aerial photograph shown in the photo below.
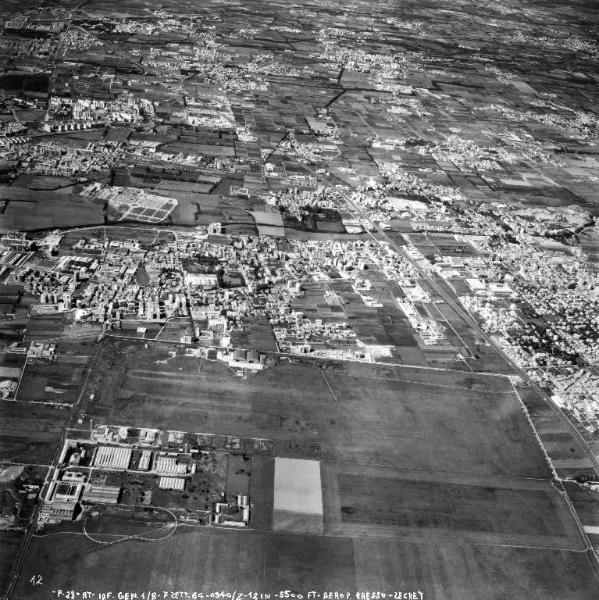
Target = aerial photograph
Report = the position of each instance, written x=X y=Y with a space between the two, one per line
x=299 y=300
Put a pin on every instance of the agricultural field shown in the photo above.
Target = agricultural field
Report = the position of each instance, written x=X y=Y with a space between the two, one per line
x=493 y=572
x=256 y=334
x=58 y=381
x=567 y=455
x=9 y=544
x=370 y=502
x=45 y=327
x=262 y=491
x=12 y=331
x=204 y=209
x=32 y=209
x=43 y=182
x=174 y=330
x=30 y=433
x=209 y=559
x=586 y=504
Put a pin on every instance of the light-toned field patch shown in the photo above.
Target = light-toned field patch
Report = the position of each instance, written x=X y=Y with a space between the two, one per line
x=297 y=495
x=297 y=486
x=10 y=473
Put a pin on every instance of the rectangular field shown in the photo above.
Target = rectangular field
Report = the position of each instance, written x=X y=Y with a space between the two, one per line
x=297 y=486
x=379 y=502
x=29 y=433
x=531 y=513
x=488 y=572
x=9 y=545
x=297 y=495
x=58 y=381
x=262 y=491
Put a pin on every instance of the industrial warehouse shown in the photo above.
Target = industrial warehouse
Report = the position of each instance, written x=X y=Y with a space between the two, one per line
x=177 y=471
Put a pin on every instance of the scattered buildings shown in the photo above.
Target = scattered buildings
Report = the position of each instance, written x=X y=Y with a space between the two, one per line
x=250 y=192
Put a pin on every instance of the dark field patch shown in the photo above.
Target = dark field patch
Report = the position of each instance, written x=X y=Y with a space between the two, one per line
x=439 y=504
x=586 y=503
x=568 y=456
x=194 y=558
x=262 y=491
x=28 y=82
x=44 y=327
x=42 y=182
x=9 y=544
x=54 y=382
x=30 y=433
x=299 y=562
x=52 y=211
x=257 y=335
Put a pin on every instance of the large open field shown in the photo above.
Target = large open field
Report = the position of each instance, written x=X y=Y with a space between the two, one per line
x=53 y=382
x=32 y=209
x=423 y=473
x=376 y=502
x=408 y=419
x=408 y=455
x=58 y=380
x=9 y=544
x=29 y=433
x=207 y=560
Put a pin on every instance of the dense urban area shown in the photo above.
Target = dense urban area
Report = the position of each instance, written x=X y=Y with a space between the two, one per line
x=299 y=296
